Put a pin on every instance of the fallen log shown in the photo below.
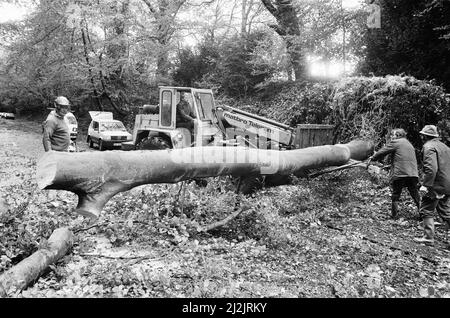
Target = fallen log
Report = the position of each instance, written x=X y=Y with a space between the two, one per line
x=18 y=277
x=97 y=176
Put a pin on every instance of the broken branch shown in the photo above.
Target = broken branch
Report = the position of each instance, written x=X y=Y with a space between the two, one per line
x=17 y=278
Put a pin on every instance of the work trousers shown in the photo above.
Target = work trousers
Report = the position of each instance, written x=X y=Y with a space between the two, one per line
x=411 y=183
x=430 y=203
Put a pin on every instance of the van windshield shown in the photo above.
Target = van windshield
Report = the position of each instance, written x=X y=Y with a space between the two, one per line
x=112 y=126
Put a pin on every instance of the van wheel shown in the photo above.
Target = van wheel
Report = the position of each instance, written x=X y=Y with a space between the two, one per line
x=154 y=143
x=101 y=146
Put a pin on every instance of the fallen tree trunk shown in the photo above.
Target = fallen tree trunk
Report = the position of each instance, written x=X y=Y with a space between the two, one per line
x=28 y=270
x=97 y=176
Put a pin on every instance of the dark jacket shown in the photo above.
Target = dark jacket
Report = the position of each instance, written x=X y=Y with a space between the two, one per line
x=404 y=162
x=56 y=135
x=436 y=166
x=184 y=112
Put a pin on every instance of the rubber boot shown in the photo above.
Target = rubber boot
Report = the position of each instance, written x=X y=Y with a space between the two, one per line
x=394 y=210
x=428 y=229
x=447 y=233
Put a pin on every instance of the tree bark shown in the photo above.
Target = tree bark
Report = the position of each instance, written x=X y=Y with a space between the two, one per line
x=97 y=176
x=165 y=28
x=288 y=27
x=28 y=270
x=88 y=62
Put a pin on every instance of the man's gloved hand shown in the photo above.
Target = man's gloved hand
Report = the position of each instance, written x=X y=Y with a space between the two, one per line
x=423 y=190
x=368 y=162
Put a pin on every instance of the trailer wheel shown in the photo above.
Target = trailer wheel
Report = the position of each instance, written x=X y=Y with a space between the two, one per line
x=153 y=143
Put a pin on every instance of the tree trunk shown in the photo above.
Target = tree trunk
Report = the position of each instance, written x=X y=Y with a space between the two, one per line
x=288 y=27
x=28 y=270
x=97 y=176
x=88 y=62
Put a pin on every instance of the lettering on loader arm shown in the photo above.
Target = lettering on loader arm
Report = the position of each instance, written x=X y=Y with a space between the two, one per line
x=246 y=122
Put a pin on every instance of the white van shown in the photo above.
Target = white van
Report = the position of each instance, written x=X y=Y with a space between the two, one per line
x=105 y=131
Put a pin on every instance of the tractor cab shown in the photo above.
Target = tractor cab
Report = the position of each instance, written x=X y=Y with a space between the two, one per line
x=158 y=126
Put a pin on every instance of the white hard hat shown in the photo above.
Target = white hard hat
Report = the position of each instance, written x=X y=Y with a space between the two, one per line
x=61 y=100
x=429 y=130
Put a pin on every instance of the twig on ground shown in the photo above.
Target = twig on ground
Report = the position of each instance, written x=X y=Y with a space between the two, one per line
x=88 y=228
x=224 y=221
x=103 y=224
x=182 y=197
x=148 y=257
x=177 y=197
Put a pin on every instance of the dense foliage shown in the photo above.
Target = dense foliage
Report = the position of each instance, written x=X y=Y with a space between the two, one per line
x=235 y=67
x=359 y=107
x=302 y=103
x=413 y=40
x=368 y=107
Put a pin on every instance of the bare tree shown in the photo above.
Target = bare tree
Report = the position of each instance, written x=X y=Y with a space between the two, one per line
x=250 y=10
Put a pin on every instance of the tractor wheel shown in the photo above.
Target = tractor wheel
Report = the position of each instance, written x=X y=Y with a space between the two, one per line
x=153 y=143
x=277 y=180
x=91 y=143
x=249 y=185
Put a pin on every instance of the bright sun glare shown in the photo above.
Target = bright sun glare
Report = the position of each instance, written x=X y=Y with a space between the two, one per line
x=328 y=69
x=351 y=4
x=10 y=12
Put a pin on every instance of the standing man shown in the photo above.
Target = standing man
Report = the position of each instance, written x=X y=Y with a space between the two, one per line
x=404 y=172
x=56 y=134
x=435 y=187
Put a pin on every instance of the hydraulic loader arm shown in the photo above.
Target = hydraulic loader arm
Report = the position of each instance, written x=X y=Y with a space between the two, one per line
x=256 y=125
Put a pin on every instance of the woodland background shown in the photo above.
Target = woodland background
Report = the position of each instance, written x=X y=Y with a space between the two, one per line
x=112 y=55
x=326 y=237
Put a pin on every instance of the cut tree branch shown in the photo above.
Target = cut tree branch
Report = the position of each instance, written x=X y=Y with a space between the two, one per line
x=17 y=278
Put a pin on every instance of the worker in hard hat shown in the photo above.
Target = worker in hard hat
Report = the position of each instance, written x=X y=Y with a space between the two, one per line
x=56 y=134
x=435 y=187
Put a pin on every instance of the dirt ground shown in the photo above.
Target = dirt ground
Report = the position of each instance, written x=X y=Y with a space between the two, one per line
x=298 y=241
